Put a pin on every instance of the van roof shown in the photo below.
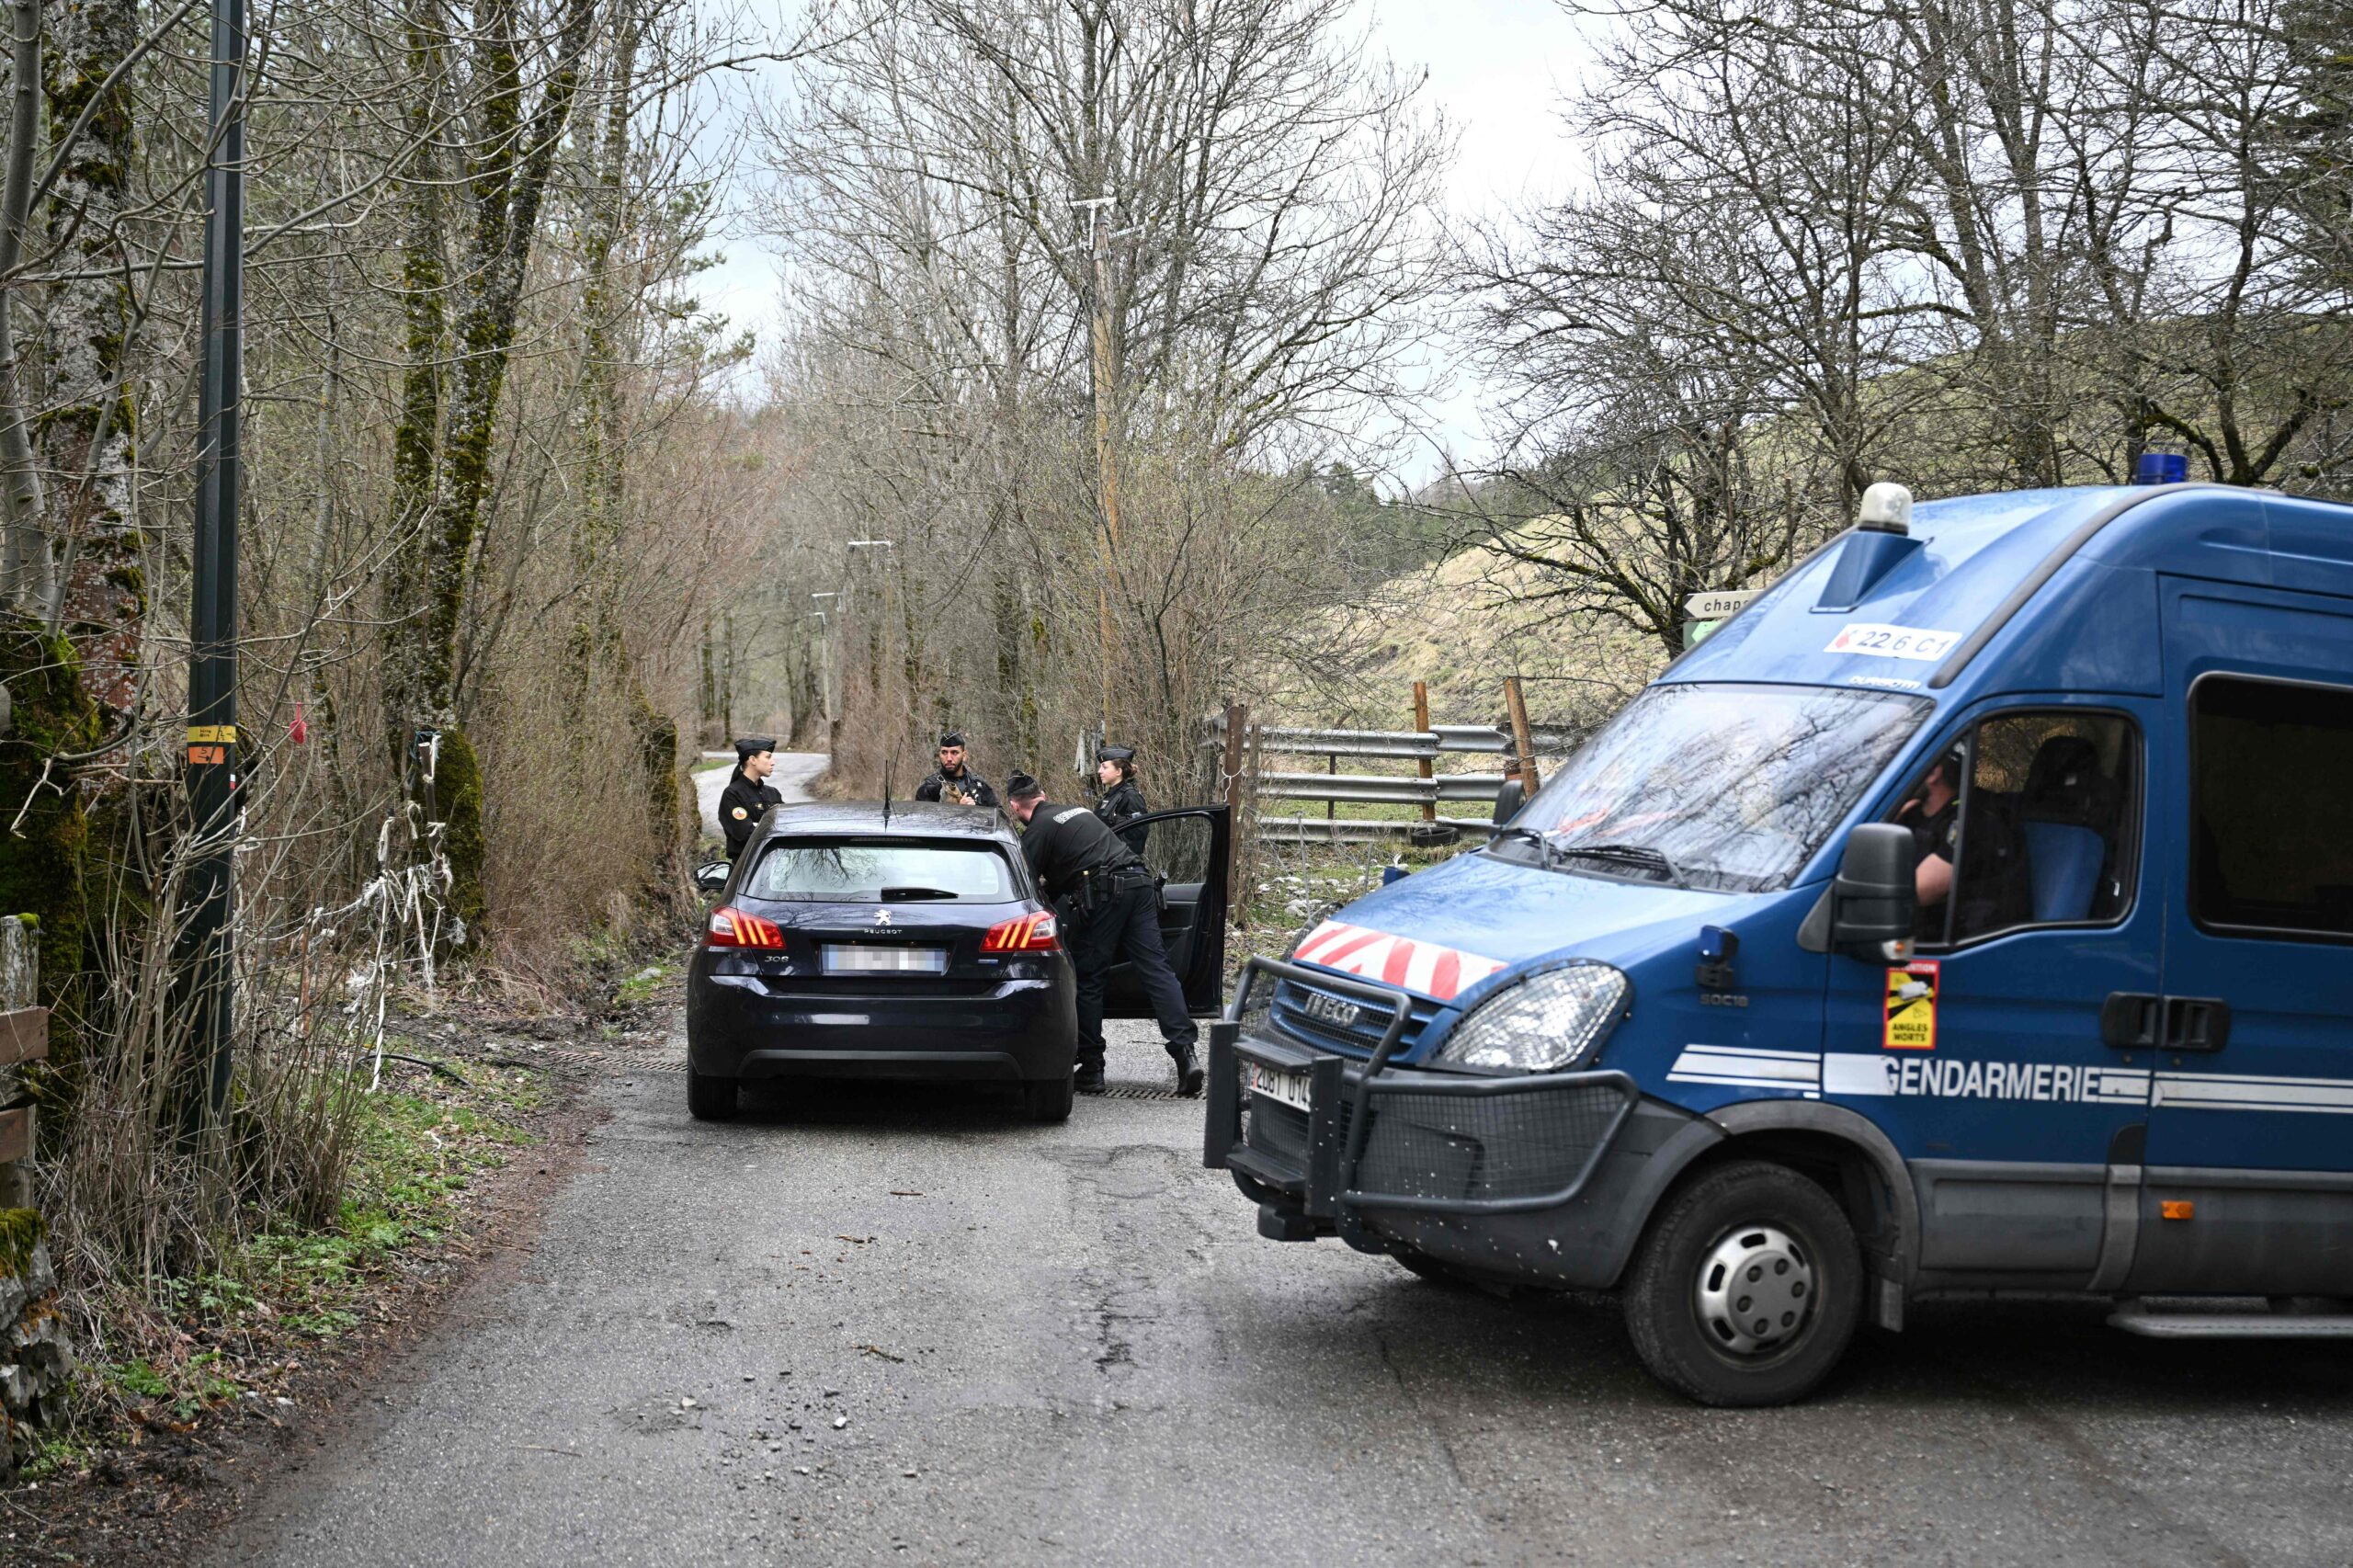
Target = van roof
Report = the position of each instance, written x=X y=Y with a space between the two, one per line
x=1981 y=566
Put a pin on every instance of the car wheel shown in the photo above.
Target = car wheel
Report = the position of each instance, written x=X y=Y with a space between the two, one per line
x=710 y=1098
x=1746 y=1287
x=1049 y=1099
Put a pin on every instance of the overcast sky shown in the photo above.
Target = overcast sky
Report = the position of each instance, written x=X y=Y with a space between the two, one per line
x=1497 y=69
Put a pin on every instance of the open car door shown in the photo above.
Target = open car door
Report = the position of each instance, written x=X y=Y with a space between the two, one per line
x=1189 y=847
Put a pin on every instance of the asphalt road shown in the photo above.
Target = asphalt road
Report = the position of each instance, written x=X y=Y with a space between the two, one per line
x=866 y=1326
x=794 y=770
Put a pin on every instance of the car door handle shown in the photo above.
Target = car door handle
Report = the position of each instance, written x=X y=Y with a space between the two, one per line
x=2130 y=1020
x=2196 y=1023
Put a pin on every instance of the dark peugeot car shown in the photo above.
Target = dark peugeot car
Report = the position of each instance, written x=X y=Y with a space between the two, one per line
x=860 y=941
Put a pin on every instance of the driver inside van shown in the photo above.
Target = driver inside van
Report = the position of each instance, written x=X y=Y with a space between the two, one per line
x=1933 y=816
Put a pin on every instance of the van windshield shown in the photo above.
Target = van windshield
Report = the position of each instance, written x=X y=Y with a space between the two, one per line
x=1721 y=786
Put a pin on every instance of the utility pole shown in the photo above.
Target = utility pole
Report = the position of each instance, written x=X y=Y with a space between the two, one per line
x=204 y=955
x=1107 y=467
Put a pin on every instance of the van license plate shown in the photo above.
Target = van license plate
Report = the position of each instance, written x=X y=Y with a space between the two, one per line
x=1291 y=1088
x=885 y=961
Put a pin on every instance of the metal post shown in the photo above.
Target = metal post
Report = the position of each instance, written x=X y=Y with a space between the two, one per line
x=1237 y=725
x=1421 y=724
x=205 y=967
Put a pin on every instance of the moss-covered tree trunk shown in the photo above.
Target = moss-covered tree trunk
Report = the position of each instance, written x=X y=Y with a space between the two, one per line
x=42 y=860
x=509 y=163
x=86 y=431
x=598 y=646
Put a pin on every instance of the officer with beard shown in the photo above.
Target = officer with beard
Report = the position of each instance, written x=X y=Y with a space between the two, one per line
x=953 y=781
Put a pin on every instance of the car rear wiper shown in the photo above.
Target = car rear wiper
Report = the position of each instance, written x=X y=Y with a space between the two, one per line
x=1640 y=855
x=895 y=896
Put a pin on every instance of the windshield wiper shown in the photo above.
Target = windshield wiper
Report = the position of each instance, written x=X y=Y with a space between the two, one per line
x=1544 y=847
x=1640 y=855
x=892 y=895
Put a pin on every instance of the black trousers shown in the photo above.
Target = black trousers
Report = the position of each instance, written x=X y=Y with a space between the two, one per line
x=1126 y=926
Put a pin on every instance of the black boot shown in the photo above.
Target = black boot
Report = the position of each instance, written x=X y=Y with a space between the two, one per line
x=1189 y=1069
x=1089 y=1078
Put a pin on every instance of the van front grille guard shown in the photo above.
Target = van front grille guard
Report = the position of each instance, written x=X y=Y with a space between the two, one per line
x=1571 y=1116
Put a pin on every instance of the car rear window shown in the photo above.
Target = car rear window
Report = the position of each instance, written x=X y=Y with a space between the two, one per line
x=880 y=871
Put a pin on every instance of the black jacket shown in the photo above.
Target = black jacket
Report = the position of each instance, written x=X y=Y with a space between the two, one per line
x=969 y=783
x=1121 y=804
x=741 y=806
x=1063 y=843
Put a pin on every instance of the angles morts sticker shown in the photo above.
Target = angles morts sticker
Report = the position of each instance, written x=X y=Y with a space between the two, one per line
x=1911 y=1007
x=1424 y=967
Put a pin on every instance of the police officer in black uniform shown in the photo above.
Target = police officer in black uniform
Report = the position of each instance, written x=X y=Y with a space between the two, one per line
x=748 y=794
x=1121 y=803
x=953 y=781
x=1933 y=816
x=1109 y=910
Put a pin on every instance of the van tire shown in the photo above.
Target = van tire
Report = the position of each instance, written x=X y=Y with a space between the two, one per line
x=1049 y=1099
x=1690 y=1262
x=710 y=1098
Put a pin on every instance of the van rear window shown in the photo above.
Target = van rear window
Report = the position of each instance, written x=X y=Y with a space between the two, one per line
x=2271 y=848
x=880 y=871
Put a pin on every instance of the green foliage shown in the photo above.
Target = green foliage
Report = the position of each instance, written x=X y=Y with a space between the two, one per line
x=642 y=987
x=41 y=874
x=21 y=1230
x=458 y=790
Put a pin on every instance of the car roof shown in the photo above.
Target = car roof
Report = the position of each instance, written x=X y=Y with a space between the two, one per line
x=911 y=819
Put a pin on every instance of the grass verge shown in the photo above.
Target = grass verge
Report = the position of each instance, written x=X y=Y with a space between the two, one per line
x=239 y=1334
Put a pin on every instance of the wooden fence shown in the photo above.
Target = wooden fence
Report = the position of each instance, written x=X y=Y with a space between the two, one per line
x=1250 y=781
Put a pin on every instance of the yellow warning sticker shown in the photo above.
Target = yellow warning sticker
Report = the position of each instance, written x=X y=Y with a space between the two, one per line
x=1912 y=1006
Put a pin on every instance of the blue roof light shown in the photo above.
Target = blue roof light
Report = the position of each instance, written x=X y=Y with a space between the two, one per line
x=2161 y=468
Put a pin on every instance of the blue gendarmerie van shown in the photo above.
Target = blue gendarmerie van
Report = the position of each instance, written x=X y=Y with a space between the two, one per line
x=1973 y=913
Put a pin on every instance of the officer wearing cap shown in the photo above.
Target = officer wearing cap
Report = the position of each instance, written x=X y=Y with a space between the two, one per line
x=1121 y=803
x=1109 y=910
x=748 y=794
x=953 y=781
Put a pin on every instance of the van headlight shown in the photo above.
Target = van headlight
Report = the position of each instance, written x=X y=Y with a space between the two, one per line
x=1541 y=1025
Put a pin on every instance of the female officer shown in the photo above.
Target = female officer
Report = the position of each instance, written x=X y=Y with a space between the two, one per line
x=1121 y=803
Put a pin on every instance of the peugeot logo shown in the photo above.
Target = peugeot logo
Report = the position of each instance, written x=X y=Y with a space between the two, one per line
x=1331 y=1010
x=881 y=917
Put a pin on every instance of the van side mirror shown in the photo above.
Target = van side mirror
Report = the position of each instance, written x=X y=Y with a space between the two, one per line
x=711 y=876
x=1509 y=798
x=1873 y=899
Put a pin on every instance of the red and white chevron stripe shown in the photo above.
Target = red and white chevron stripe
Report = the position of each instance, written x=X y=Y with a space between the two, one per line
x=1423 y=967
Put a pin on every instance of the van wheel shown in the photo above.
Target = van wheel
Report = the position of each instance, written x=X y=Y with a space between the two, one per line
x=1048 y=1099
x=710 y=1099
x=1746 y=1287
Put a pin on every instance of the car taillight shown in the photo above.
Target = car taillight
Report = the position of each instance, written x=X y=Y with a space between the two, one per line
x=734 y=929
x=1024 y=934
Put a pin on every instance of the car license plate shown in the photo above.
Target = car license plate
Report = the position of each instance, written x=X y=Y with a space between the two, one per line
x=885 y=961
x=1277 y=1083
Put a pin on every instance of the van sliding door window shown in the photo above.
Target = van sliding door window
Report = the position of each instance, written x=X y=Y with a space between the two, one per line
x=2270 y=851
x=2042 y=831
